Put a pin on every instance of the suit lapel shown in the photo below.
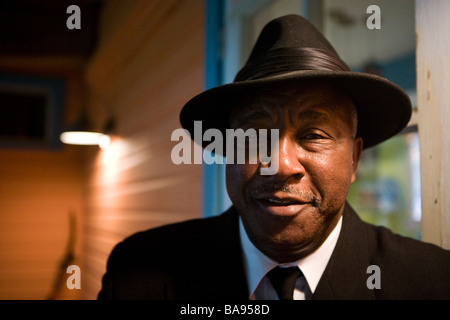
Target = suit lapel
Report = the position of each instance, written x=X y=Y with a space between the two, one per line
x=346 y=273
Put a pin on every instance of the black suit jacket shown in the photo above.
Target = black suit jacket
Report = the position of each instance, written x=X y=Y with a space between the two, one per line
x=201 y=259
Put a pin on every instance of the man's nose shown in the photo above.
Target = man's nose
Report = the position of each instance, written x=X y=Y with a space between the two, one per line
x=289 y=160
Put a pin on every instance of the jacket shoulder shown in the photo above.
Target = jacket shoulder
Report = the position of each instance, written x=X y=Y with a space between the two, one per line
x=409 y=268
x=168 y=262
x=180 y=233
x=173 y=241
x=401 y=248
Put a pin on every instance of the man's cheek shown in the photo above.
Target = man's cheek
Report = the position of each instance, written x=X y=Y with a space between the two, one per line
x=242 y=171
x=234 y=179
x=238 y=178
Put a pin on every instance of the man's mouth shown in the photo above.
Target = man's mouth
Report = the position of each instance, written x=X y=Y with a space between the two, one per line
x=281 y=205
x=280 y=202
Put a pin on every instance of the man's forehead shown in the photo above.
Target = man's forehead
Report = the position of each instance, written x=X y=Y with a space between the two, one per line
x=312 y=101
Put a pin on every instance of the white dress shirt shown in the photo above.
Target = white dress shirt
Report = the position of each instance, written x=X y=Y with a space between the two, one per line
x=257 y=265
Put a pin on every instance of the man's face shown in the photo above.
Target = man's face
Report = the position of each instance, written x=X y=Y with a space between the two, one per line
x=288 y=215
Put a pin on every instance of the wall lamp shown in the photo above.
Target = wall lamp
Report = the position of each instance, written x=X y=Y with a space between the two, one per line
x=82 y=134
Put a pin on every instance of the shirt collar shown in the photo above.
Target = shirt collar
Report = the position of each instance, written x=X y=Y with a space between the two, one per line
x=256 y=264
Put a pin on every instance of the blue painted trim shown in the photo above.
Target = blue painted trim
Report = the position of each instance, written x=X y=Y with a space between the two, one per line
x=214 y=25
x=305 y=8
x=212 y=174
x=401 y=70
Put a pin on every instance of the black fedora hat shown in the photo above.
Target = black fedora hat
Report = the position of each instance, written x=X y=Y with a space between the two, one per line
x=290 y=51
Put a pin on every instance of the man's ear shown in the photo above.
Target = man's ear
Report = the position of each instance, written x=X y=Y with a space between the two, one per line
x=357 y=150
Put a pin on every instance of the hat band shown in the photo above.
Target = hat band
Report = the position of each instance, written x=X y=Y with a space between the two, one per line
x=284 y=60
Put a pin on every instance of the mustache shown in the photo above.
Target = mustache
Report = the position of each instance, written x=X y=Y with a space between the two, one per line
x=285 y=188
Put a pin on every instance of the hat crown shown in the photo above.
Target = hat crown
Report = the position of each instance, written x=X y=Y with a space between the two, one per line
x=290 y=43
x=290 y=31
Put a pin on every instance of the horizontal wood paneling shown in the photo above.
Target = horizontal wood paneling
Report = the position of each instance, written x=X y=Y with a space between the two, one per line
x=38 y=190
x=149 y=63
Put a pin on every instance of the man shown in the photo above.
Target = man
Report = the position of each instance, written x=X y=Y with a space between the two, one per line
x=291 y=234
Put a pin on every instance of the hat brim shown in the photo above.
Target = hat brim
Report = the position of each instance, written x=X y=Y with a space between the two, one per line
x=383 y=108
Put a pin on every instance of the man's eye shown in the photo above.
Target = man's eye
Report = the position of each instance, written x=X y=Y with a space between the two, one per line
x=313 y=136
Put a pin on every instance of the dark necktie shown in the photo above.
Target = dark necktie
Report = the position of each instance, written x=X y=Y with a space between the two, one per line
x=283 y=281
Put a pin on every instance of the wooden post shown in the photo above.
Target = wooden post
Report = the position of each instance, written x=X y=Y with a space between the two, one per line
x=433 y=116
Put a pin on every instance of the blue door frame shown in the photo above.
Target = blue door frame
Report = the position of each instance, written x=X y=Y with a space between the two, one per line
x=213 y=176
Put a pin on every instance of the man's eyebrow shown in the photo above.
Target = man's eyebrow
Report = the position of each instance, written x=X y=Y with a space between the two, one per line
x=312 y=114
x=250 y=116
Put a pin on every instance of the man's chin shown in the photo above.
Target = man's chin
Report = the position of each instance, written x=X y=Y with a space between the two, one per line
x=287 y=238
x=285 y=252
